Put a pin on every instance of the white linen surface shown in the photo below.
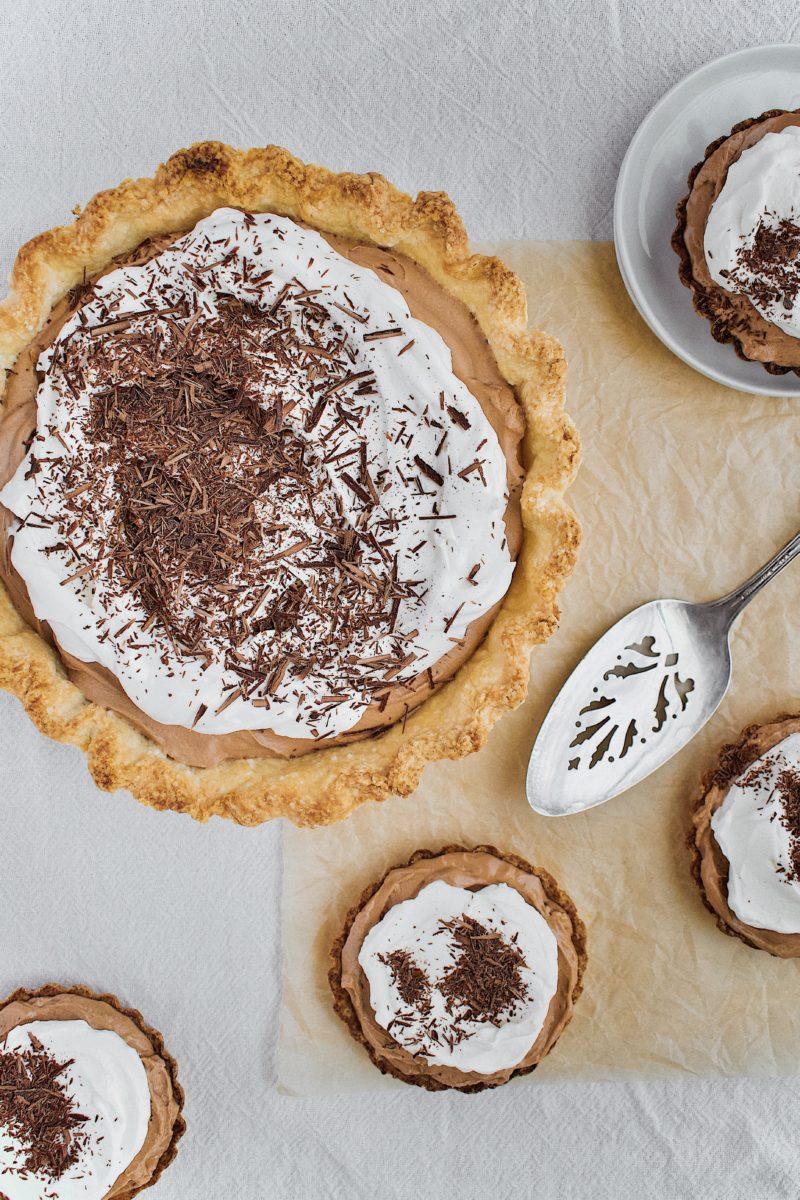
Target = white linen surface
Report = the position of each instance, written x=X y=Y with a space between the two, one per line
x=522 y=112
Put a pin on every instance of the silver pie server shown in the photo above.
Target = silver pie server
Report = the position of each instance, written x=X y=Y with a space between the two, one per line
x=641 y=693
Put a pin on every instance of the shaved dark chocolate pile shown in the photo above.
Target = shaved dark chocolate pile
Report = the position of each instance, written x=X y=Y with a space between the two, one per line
x=758 y=777
x=38 y=1113
x=484 y=982
x=788 y=786
x=768 y=269
x=734 y=759
x=204 y=470
x=409 y=979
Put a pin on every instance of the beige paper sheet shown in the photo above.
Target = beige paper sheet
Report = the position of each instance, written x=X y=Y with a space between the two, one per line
x=686 y=487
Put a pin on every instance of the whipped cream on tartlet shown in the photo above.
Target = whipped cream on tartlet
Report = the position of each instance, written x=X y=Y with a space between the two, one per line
x=102 y=1080
x=462 y=978
x=757 y=827
x=752 y=235
x=330 y=532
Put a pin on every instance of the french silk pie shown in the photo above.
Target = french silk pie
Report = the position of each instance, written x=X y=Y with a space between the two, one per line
x=738 y=239
x=282 y=474
x=745 y=839
x=459 y=969
x=90 y=1105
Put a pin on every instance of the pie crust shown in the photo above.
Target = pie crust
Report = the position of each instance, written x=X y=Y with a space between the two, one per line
x=709 y=866
x=328 y=784
x=49 y=990
x=343 y=1005
x=712 y=301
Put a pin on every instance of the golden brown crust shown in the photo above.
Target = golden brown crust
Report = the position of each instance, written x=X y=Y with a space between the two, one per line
x=343 y=1005
x=734 y=758
x=327 y=785
x=54 y=989
x=706 y=300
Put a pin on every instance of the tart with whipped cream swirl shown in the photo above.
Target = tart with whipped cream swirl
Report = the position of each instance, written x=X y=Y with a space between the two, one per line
x=90 y=1104
x=745 y=839
x=281 y=475
x=738 y=239
x=459 y=969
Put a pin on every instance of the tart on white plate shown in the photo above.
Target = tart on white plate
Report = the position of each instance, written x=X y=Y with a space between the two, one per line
x=738 y=239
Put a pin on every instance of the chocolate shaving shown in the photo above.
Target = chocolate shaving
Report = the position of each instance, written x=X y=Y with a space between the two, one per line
x=458 y=417
x=380 y=334
x=361 y=492
x=428 y=470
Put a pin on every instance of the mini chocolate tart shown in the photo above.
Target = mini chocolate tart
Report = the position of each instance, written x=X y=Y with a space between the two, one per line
x=733 y=315
x=459 y=969
x=761 y=774
x=90 y=1103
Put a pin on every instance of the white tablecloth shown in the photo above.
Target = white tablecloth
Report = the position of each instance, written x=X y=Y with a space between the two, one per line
x=522 y=112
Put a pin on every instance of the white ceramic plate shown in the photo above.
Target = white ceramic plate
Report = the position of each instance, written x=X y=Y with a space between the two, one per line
x=671 y=139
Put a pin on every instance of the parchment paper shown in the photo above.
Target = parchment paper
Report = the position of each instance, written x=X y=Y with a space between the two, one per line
x=686 y=487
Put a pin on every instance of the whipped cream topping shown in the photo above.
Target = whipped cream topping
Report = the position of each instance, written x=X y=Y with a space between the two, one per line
x=424 y=957
x=372 y=545
x=752 y=236
x=108 y=1084
x=753 y=829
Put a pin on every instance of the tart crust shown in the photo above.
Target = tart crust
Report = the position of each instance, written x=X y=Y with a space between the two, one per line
x=345 y=1009
x=328 y=784
x=710 y=301
x=50 y=990
x=708 y=863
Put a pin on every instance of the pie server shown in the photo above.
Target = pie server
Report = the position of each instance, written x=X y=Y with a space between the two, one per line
x=641 y=693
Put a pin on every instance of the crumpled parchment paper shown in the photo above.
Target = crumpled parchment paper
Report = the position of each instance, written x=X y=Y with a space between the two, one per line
x=686 y=487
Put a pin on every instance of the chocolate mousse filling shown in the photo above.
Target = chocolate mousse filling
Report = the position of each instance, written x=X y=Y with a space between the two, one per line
x=473 y=364
x=733 y=317
x=166 y=1125
x=488 y=986
x=710 y=867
